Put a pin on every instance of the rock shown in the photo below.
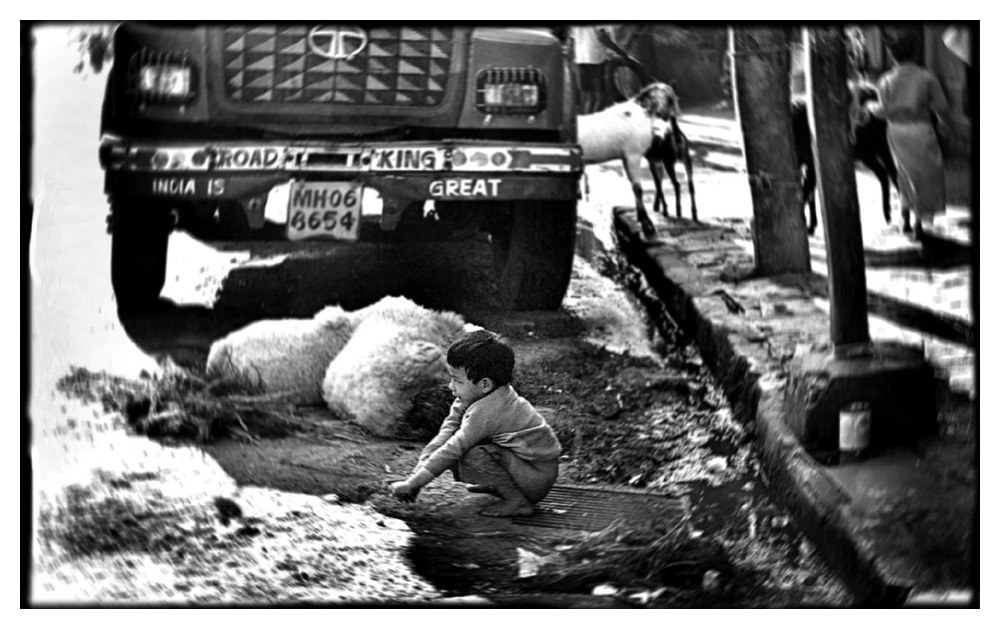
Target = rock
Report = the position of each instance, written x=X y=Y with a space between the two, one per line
x=228 y=510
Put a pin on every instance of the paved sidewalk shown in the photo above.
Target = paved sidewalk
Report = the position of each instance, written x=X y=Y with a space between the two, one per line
x=898 y=525
x=920 y=294
x=917 y=295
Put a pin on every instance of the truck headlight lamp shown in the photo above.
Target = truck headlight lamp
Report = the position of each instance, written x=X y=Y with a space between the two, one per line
x=510 y=91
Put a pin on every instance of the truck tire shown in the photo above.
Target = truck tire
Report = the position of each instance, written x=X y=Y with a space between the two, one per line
x=533 y=254
x=139 y=233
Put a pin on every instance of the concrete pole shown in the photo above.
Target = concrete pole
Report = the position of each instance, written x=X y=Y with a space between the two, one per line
x=826 y=82
x=761 y=61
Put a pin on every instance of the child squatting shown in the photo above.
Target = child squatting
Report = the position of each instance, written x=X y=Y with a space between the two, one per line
x=493 y=439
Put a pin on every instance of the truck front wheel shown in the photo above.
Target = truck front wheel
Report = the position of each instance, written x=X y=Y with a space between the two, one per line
x=140 y=230
x=533 y=254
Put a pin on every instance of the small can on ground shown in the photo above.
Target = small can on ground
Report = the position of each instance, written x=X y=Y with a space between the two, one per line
x=855 y=432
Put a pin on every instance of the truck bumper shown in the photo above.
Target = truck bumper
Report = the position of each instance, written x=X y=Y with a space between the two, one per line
x=401 y=172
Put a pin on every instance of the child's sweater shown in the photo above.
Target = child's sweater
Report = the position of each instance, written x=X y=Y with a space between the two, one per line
x=503 y=418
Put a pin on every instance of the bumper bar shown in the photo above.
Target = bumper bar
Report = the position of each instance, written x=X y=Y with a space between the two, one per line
x=342 y=158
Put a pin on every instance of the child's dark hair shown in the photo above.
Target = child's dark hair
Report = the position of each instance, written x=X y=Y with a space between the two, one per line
x=483 y=354
x=904 y=46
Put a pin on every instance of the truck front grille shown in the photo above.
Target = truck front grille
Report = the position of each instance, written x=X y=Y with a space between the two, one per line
x=399 y=66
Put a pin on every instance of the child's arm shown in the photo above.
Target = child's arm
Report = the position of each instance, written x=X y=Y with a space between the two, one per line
x=448 y=428
x=408 y=489
x=436 y=461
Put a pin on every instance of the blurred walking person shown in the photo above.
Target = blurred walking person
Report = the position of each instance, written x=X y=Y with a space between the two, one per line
x=591 y=57
x=912 y=100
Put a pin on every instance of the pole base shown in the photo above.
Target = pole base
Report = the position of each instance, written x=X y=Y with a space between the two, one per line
x=895 y=380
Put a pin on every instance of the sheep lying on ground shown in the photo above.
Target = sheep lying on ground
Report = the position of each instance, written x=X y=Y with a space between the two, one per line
x=625 y=131
x=370 y=366
x=287 y=356
x=396 y=351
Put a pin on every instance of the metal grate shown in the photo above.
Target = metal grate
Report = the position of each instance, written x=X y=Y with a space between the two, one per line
x=405 y=66
x=592 y=509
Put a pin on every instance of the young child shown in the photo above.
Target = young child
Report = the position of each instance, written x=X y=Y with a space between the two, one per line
x=909 y=96
x=492 y=438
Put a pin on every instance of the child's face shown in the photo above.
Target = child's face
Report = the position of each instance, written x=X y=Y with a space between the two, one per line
x=465 y=389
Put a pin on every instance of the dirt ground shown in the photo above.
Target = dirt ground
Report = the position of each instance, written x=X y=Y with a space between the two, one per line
x=633 y=407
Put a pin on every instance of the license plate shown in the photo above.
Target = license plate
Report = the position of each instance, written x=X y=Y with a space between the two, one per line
x=324 y=209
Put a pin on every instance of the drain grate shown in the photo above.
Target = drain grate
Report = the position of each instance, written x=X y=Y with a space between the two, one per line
x=592 y=509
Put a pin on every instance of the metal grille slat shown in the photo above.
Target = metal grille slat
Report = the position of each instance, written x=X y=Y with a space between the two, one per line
x=398 y=67
x=592 y=509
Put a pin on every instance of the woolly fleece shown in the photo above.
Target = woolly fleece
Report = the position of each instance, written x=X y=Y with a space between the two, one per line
x=286 y=356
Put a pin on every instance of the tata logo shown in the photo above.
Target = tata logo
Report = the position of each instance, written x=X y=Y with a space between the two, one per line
x=337 y=42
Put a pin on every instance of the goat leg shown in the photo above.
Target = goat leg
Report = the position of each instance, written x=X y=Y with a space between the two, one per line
x=632 y=165
x=882 y=174
x=687 y=168
x=672 y=173
x=883 y=179
x=648 y=228
x=655 y=169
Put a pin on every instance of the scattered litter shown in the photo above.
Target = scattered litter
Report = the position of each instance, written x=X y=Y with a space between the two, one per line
x=769 y=309
x=332 y=498
x=710 y=580
x=699 y=437
x=732 y=304
x=528 y=563
x=471 y=599
x=469 y=566
x=645 y=596
x=717 y=464
x=605 y=590
x=937 y=598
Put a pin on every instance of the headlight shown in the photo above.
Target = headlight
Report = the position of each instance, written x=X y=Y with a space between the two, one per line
x=168 y=81
x=160 y=77
x=510 y=91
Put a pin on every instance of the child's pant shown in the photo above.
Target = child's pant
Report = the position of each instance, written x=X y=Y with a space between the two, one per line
x=489 y=464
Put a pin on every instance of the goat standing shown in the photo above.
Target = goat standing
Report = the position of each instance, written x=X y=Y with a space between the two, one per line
x=868 y=142
x=669 y=145
x=625 y=131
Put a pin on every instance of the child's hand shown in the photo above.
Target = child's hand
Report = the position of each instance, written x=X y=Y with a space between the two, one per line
x=404 y=491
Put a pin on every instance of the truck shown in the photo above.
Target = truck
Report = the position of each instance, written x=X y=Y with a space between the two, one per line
x=343 y=133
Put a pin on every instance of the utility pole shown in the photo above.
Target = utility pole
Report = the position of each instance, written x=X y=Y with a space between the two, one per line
x=761 y=61
x=862 y=398
x=826 y=82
